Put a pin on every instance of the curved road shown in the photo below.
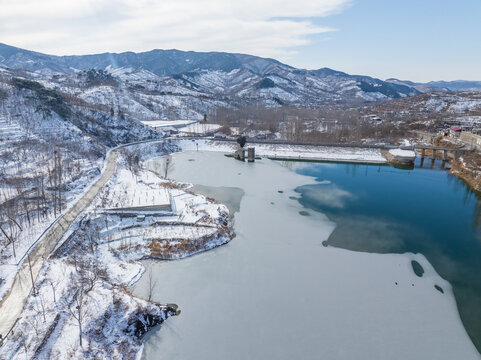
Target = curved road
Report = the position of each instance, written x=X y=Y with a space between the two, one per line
x=12 y=304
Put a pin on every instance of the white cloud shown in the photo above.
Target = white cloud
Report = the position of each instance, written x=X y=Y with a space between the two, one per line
x=330 y=195
x=261 y=27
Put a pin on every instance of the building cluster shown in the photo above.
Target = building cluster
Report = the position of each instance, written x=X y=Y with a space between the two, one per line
x=460 y=135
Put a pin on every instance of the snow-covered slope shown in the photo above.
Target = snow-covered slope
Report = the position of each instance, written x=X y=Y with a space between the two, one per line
x=194 y=82
x=71 y=109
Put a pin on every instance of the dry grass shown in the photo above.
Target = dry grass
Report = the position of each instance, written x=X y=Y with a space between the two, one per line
x=173 y=248
x=173 y=185
x=441 y=141
x=468 y=168
x=124 y=289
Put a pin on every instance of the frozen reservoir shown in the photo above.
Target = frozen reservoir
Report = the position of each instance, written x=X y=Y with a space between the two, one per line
x=276 y=292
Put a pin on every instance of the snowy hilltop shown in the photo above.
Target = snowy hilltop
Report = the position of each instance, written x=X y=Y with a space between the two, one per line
x=178 y=84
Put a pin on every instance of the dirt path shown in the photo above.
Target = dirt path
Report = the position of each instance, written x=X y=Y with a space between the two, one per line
x=12 y=304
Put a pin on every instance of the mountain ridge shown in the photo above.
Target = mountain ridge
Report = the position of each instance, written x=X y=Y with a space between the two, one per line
x=187 y=84
x=440 y=85
x=122 y=58
x=334 y=86
x=171 y=60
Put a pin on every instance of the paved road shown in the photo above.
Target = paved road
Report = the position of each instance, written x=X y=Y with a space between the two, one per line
x=12 y=304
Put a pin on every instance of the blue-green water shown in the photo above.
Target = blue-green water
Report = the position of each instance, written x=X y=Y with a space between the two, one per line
x=383 y=209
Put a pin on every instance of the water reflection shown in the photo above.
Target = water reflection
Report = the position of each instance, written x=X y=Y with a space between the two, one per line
x=393 y=210
x=427 y=163
x=330 y=195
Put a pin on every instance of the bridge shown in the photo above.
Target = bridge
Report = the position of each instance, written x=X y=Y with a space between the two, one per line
x=455 y=150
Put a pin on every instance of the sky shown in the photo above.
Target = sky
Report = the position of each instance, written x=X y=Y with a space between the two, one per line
x=418 y=40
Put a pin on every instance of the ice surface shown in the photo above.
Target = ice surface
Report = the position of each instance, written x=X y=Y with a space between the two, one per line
x=199 y=128
x=276 y=293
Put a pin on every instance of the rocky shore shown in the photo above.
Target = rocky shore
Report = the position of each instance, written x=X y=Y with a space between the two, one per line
x=468 y=168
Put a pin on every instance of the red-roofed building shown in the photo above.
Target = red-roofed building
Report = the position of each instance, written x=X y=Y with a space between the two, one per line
x=455 y=131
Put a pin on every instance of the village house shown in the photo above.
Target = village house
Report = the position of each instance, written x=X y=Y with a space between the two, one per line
x=455 y=132
x=220 y=135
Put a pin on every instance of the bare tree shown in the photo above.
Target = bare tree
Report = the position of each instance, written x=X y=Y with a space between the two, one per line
x=59 y=168
x=90 y=274
x=132 y=158
x=22 y=196
x=168 y=165
x=12 y=237
x=77 y=308
x=41 y=300
x=152 y=285
x=38 y=196
x=54 y=285
x=22 y=337
x=34 y=323
x=93 y=236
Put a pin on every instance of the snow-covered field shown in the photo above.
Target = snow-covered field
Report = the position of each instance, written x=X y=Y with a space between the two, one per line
x=199 y=129
x=168 y=123
x=291 y=151
x=403 y=153
x=132 y=191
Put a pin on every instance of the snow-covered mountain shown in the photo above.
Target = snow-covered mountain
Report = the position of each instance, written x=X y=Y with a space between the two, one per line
x=56 y=112
x=457 y=85
x=177 y=83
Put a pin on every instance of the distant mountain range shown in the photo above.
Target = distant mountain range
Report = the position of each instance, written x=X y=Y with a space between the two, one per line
x=457 y=85
x=243 y=78
x=180 y=84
